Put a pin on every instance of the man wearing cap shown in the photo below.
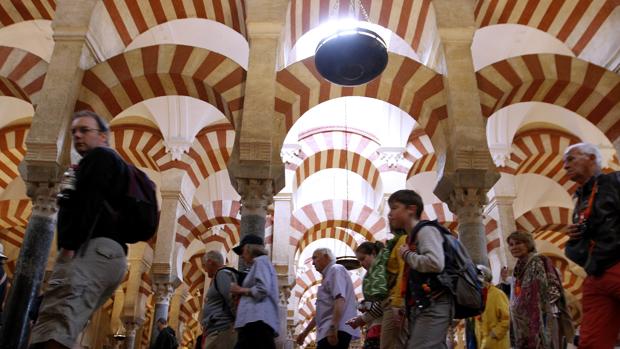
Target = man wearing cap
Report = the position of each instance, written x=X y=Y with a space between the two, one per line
x=335 y=304
x=258 y=316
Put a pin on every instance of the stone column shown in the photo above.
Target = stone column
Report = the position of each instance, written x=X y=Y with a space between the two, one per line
x=163 y=293
x=178 y=298
x=507 y=225
x=285 y=340
x=466 y=166
x=47 y=145
x=131 y=328
x=468 y=204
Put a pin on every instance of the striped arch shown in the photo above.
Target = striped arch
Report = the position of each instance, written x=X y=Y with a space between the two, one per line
x=131 y=19
x=574 y=22
x=349 y=237
x=442 y=214
x=405 y=83
x=335 y=137
x=337 y=158
x=12 y=152
x=207 y=216
x=582 y=87
x=138 y=145
x=21 y=74
x=540 y=151
x=190 y=307
x=412 y=20
x=335 y=214
x=14 y=215
x=12 y=11
x=427 y=163
x=208 y=154
x=305 y=281
x=193 y=275
x=546 y=224
x=492 y=233
x=164 y=70
x=571 y=282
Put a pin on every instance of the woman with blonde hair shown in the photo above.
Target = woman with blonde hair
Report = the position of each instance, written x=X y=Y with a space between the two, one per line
x=538 y=310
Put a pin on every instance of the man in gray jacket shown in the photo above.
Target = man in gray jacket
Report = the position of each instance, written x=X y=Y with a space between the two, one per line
x=218 y=314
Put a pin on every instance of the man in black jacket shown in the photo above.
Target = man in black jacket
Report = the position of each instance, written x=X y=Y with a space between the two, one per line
x=166 y=338
x=595 y=244
x=91 y=260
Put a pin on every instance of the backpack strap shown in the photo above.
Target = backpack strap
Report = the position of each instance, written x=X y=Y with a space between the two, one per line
x=232 y=272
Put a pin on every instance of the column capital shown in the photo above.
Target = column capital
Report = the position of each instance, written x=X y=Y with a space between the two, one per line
x=467 y=203
x=43 y=197
x=163 y=292
x=255 y=193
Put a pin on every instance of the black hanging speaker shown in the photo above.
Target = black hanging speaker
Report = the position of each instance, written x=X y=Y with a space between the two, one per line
x=351 y=57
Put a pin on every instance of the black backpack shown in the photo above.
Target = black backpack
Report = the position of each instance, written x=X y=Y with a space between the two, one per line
x=138 y=215
x=460 y=275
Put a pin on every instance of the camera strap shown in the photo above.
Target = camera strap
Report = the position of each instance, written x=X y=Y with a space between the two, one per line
x=587 y=211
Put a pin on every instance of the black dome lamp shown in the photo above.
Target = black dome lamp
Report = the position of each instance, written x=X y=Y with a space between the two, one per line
x=351 y=56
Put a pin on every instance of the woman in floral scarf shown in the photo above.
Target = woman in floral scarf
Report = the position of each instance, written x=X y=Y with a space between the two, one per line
x=538 y=309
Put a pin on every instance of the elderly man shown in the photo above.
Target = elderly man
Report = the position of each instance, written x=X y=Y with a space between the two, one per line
x=335 y=303
x=218 y=316
x=595 y=244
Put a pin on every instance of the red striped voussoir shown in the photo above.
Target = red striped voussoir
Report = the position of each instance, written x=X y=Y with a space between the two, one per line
x=16 y=11
x=21 y=74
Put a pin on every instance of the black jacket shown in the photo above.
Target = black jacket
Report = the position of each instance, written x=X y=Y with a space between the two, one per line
x=603 y=226
x=101 y=175
x=166 y=339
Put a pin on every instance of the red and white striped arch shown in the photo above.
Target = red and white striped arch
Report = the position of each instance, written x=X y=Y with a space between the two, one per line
x=139 y=145
x=208 y=154
x=349 y=237
x=336 y=137
x=405 y=83
x=12 y=11
x=332 y=214
x=164 y=70
x=207 y=216
x=193 y=275
x=574 y=22
x=540 y=151
x=21 y=74
x=12 y=152
x=338 y=158
x=304 y=281
x=442 y=214
x=542 y=220
x=131 y=19
x=412 y=20
x=491 y=232
x=427 y=163
x=190 y=307
x=14 y=215
x=582 y=87
x=571 y=282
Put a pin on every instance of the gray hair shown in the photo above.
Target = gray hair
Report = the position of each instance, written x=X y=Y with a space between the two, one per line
x=587 y=149
x=324 y=251
x=256 y=250
x=214 y=256
x=487 y=275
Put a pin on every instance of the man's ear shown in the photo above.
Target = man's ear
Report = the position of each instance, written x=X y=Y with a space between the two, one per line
x=413 y=209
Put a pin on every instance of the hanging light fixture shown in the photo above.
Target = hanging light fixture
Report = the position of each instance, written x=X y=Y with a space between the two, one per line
x=351 y=56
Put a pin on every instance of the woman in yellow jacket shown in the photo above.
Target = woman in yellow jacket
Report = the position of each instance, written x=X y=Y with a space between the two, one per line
x=492 y=326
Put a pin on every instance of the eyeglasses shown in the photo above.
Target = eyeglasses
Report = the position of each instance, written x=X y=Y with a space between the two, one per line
x=83 y=130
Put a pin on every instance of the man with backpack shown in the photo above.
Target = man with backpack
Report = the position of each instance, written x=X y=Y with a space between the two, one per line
x=430 y=305
x=91 y=260
x=218 y=313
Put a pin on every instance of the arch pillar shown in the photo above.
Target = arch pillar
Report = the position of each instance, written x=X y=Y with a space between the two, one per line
x=466 y=167
x=181 y=294
x=163 y=294
x=48 y=152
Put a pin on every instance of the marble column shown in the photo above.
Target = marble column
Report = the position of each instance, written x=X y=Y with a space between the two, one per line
x=163 y=294
x=507 y=225
x=285 y=339
x=131 y=328
x=47 y=145
x=468 y=204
